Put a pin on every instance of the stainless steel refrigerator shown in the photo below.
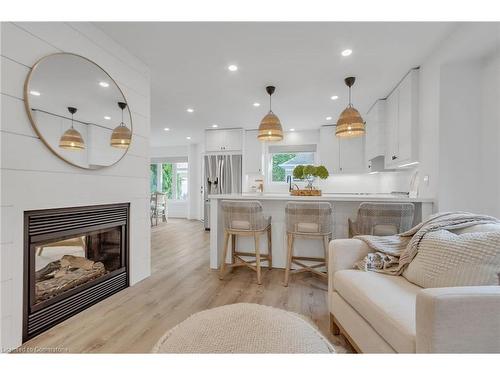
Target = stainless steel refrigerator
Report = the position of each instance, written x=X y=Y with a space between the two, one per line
x=222 y=176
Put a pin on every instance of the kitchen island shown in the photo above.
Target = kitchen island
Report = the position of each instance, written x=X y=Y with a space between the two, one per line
x=344 y=206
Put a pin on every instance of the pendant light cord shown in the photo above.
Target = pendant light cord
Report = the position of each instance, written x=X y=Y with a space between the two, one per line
x=72 y=121
x=350 y=101
x=270 y=102
x=122 y=119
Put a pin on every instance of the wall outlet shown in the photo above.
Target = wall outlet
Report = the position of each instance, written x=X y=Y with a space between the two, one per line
x=426 y=180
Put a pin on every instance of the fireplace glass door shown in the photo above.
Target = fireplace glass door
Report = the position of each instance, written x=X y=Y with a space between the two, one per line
x=66 y=264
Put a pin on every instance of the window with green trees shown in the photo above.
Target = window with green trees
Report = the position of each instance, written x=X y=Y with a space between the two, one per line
x=171 y=179
x=284 y=163
x=153 y=181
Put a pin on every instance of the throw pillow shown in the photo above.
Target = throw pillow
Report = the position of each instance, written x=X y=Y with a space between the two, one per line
x=445 y=259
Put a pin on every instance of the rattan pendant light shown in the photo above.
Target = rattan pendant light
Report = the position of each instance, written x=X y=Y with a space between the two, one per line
x=350 y=122
x=270 y=127
x=121 y=136
x=72 y=139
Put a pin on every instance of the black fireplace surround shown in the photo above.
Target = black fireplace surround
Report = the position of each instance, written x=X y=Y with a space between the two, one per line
x=73 y=258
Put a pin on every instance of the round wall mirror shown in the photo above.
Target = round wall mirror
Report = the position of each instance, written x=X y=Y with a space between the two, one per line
x=78 y=111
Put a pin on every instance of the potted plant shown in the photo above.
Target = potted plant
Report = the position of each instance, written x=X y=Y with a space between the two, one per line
x=309 y=173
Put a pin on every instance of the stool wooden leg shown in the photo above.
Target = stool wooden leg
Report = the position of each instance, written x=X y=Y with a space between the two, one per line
x=233 y=250
x=256 y=237
x=288 y=258
x=224 y=254
x=326 y=242
x=269 y=248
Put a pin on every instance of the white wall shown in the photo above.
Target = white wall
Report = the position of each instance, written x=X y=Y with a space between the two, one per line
x=469 y=136
x=169 y=151
x=459 y=137
x=468 y=41
x=490 y=135
x=195 y=181
x=33 y=178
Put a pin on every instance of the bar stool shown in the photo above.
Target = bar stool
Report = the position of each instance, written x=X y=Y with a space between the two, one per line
x=382 y=219
x=245 y=219
x=308 y=220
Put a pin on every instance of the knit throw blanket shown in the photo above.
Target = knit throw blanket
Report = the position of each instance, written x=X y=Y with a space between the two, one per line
x=392 y=254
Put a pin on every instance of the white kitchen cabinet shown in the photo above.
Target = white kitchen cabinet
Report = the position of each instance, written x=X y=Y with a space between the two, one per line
x=375 y=130
x=391 y=133
x=328 y=149
x=352 y=155
x=220 y=140
x=402 y=123
x=341 y=155
x=252 y=153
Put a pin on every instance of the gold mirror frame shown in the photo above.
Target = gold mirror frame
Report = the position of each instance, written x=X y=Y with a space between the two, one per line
x=27 y=106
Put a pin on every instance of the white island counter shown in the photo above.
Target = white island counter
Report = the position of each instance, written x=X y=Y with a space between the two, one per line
x=344 y=206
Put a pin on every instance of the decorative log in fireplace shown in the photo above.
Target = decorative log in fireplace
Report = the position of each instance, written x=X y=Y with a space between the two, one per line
x=73 y=258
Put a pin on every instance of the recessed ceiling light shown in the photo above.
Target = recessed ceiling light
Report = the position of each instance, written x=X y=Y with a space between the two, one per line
x=166 y=129
x=334 y=97
x=103 y=84
x=256 y=104
x=328 y=118
x=107 y=118
x=215 y=126
x=188 y=138
x=292 y=130
x=232 y=68
x=346 y=52
x=35 y=93
x=190 y=110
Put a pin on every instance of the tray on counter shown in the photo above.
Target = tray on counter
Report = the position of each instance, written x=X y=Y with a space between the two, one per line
x=306 y=192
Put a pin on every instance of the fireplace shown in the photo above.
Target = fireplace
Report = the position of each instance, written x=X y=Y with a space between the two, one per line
x=73 y=258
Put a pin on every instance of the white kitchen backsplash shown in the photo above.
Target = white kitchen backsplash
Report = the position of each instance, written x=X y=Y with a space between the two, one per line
x=383 y=182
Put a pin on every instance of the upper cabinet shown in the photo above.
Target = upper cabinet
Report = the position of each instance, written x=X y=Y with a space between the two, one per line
x=341 y=155
x=402 y=123
x=220 y=140
x=252 y=162
x=375 y=130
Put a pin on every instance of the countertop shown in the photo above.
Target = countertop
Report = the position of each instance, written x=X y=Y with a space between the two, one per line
x=339 y=197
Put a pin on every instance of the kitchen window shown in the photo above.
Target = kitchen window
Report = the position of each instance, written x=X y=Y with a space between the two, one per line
x=170 y=178
x=283 y=160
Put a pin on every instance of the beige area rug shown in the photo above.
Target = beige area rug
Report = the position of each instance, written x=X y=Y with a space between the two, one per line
x=244 y=328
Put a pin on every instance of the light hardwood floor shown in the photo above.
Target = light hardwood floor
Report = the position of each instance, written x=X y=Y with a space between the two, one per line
x=181 y=284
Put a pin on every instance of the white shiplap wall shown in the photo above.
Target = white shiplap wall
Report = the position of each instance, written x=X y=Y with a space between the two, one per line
x=33 y=178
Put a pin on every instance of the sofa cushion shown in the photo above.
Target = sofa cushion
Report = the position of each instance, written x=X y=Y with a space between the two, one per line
x=446 y=259
x=386 y=302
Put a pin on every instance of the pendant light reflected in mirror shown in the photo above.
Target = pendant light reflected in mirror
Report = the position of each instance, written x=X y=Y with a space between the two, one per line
x=350 y=122
x=121 y=136
x=72 y=139
x=270 y=127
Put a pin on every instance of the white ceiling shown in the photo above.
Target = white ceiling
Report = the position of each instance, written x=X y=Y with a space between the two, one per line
x=189 y=62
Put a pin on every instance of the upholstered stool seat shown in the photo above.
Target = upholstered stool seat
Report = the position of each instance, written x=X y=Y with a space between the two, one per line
x=307 y=228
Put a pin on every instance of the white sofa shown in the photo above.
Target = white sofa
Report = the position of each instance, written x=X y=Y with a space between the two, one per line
x=379 y=313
